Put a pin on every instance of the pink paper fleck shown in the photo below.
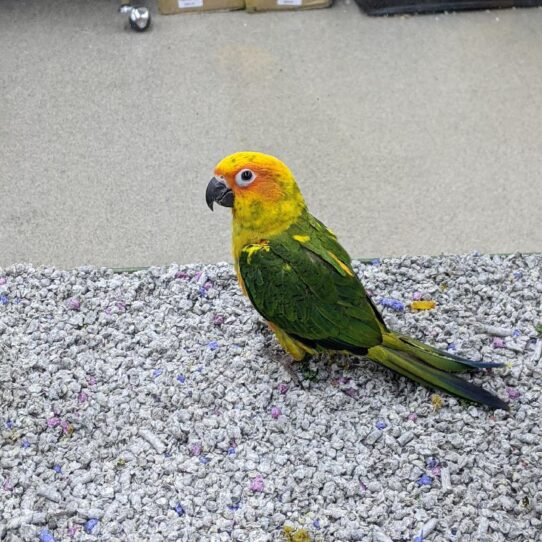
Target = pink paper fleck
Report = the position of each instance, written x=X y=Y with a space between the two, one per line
x=256 y=484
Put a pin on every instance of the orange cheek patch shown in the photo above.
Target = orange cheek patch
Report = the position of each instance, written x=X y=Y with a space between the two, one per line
x=264 y=188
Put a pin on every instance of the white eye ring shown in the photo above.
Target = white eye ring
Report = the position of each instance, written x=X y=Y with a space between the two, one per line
x=245 y=177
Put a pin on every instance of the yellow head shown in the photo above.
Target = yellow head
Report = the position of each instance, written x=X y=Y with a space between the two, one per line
x=261 y=191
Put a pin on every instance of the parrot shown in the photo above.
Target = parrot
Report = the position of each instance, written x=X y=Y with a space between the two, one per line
x=300 y=280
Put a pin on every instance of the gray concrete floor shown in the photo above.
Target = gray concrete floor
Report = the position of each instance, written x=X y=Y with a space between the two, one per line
x=408 y=135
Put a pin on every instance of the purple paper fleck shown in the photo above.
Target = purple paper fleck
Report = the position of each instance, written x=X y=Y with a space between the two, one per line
x=283 y=388
x=181 y=275
x=73 y=304
x=7 y=485
x=65 y=426
x=218 y=319
x=72 y=529
x=3 y=280
x=275 y=412
x=91 y=380
x=46 y=536
x=195 y=449
x=90 y=524
x=53 y=422
x=513 y=393
x=424 y=480
x=412 y=416
x=498 y=343
x=256 y=484
x=391 y=303
x=82 y=397
x=208 y=285
x=416 y=296
x=351 y=392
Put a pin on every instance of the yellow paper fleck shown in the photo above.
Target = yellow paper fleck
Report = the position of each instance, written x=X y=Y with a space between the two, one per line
x=423 y=305
x=295 y=535
x=436 y=401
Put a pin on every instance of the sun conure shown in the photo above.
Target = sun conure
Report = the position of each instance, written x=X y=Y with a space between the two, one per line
x=300 y=279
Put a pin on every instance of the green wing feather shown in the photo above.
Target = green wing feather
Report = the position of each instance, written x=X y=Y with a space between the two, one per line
x=308 y=289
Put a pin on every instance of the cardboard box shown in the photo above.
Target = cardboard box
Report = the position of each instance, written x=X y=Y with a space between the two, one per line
x=168 y=7
x=272 y=5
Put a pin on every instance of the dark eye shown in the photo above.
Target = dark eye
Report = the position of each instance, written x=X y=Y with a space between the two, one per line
x=245 y=177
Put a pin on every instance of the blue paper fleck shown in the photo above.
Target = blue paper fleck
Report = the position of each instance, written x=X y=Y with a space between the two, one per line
x=316 y=523
x=380 y=425
x=432 y=462
x=516 y=333
x=213 y=345
x=231 y=450
x=4 y=299
x=10 y=424
x=375 y=261
x=234 y=506
x=46 y=536
x=25 y=443
x=518 y=275
x=156 y=373
x=202 y=291
x=451 y=347
x=204 y=460
x=90 y=524
x=181 y=379
x=179 y=509
x=391 y=303
x=57 y=469
x=425 y=480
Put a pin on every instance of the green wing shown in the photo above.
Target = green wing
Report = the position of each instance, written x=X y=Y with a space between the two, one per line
x=302 y=282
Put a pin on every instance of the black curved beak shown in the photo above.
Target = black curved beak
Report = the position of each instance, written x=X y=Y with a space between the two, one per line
x=218 y=191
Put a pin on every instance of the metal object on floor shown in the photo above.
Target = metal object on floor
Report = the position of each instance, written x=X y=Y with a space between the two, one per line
x=139 y=16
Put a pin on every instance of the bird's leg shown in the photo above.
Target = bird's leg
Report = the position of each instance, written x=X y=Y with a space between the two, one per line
x=288 y=365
